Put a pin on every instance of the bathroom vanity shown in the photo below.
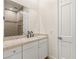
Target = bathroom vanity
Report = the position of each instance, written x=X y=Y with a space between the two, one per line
x=26 y=48
x=18 y=25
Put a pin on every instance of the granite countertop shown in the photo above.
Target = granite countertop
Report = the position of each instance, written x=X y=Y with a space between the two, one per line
x=18 y=42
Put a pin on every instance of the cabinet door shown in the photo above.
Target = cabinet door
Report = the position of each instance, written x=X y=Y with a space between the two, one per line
x=30 y=52
x=14 y=53
x=43 y=51
x=15 y=56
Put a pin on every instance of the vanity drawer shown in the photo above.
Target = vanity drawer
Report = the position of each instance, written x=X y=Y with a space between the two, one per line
x=42 y=41
x=30 y=45
x=12 y=51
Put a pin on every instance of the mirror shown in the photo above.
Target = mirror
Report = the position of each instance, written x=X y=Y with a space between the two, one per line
x=13 y=18
x=20 y=17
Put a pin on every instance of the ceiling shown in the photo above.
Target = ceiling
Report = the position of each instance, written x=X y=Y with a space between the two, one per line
x=10 y=5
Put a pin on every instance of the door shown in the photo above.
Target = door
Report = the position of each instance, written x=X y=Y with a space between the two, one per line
x=66 y=29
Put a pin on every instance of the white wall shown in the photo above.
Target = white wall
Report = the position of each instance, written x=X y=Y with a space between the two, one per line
x=34 y=23
x=48 y=24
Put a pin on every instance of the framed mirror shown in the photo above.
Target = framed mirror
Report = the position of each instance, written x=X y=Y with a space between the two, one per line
x=13 y=18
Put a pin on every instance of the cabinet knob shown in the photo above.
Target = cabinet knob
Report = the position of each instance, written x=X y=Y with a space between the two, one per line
x=60 y=38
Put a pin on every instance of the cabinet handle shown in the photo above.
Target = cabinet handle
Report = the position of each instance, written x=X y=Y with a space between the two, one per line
x=60 y=38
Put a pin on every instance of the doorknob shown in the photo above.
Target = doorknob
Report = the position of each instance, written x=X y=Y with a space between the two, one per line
x=60 y=38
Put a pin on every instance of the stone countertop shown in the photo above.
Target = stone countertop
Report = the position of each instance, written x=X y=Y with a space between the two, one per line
x=18 y=42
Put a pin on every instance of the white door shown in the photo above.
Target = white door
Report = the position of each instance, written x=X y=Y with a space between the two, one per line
x=66 y=29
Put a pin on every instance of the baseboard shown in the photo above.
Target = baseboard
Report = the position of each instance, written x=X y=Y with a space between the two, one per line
x=51 y=57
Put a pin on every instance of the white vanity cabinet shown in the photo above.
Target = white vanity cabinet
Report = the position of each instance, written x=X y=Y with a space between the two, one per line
x=43 y=49
x=36 y=50
x=30 y=51
x=14 y=53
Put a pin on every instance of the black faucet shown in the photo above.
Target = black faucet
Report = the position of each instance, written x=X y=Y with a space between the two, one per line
x=30 y=34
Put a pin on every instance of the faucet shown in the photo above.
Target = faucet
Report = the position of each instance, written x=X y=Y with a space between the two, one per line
x=30 y=34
